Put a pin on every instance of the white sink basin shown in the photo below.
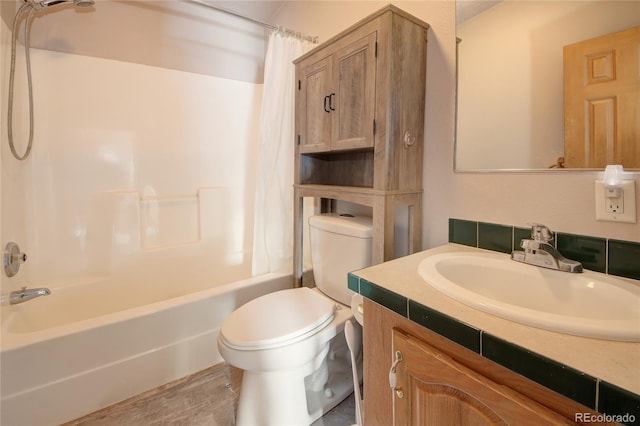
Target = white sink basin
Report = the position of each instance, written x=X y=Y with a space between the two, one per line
x=587 y=304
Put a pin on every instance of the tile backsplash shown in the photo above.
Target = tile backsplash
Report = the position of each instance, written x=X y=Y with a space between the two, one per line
x=615 y=257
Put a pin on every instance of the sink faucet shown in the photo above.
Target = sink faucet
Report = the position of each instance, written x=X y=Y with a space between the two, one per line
x=538 y=251
x=25 y=294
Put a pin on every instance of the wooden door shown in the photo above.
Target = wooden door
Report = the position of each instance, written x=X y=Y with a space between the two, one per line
x=602 y=101
x=312 y=105
x=353 y=101
x=434 y=389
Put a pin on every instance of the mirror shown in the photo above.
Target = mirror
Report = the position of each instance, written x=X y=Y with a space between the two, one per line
x=510 y=107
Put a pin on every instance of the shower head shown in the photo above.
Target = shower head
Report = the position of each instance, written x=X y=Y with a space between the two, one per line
x=39 y=5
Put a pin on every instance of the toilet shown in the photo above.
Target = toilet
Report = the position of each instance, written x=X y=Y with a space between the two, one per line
x=291 y=343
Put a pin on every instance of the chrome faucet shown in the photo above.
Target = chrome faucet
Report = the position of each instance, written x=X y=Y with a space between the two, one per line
x=539 y=251
x=25 y=294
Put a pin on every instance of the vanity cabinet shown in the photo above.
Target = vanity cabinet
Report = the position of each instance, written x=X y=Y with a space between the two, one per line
x=360 y=123
x=440 y=382
x=434 y=389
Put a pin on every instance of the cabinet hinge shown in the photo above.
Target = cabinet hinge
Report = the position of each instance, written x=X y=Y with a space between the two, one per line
x=374 y=127
x=298 y=139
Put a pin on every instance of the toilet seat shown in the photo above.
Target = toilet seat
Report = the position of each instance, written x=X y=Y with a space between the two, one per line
x=277 y=319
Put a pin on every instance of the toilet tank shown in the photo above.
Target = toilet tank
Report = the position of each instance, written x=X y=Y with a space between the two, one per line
x=339 y=244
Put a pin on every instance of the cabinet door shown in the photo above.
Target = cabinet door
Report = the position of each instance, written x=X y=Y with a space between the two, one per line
x=312 y=105
x=353 y=101
x=433 y=389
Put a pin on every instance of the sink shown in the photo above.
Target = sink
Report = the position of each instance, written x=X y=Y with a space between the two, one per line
x=589 y=304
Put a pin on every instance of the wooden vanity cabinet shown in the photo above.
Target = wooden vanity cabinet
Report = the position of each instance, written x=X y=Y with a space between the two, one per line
x=434 y=389
x=442 y=383
x=360 y=126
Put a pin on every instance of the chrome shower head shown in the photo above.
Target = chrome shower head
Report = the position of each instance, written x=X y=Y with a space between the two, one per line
x=39 y=5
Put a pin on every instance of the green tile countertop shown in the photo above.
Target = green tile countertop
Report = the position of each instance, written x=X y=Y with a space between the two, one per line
x=600 y=374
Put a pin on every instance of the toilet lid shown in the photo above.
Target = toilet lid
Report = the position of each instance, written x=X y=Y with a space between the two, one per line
x=277 y=319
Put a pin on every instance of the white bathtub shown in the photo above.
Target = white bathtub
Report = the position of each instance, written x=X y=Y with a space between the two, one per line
x=90 y=345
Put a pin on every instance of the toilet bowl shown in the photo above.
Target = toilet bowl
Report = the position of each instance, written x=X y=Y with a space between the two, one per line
x=291 y=343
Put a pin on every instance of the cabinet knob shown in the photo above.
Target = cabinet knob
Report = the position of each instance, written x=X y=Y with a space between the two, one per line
x=399 y=393
x=326 y=102
x=331 y=96
x=409 y=139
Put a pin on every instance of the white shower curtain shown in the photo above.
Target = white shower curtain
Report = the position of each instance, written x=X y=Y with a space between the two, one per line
x=273 y=220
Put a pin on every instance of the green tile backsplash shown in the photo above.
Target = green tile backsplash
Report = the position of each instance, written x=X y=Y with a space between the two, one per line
x=624 y=259
x=463 y=232
x=590 y=251
x=495 y=237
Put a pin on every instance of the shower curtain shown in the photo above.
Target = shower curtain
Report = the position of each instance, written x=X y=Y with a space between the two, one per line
x=273 y=220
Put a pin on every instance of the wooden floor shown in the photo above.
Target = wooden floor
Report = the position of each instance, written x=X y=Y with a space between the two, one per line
x=209 y=397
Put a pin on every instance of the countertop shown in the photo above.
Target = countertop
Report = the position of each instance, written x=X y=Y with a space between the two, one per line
x=617 y=363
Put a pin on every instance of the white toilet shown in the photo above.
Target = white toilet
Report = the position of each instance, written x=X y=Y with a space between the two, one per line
x=291 y=343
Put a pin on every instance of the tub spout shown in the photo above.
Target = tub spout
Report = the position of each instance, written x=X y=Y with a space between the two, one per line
x=25 y=294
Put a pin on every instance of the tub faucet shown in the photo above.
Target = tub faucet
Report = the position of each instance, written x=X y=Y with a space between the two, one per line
x=25 y=294
x=538 y=251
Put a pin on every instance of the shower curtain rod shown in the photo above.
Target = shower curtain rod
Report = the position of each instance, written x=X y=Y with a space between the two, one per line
x=312 y=39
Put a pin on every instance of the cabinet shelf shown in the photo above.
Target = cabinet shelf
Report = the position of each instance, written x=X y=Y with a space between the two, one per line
x=344 y=168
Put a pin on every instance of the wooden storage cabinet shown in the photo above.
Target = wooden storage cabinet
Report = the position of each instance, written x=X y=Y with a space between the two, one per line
x=336 y=97
x=360 y=123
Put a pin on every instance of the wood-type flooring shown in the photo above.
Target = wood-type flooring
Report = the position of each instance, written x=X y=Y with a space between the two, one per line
x=209 y=397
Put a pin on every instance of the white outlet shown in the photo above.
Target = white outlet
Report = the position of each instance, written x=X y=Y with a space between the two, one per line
x=616 y=209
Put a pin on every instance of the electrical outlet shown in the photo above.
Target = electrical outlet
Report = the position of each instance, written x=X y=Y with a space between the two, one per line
x=615 y=204
x=618 y=208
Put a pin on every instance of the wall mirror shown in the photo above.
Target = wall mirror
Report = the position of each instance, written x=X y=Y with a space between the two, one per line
x=510 y=96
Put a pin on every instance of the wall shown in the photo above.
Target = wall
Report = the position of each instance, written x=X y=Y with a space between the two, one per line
x=515 y=50
x=130 y=163
x=563 y=200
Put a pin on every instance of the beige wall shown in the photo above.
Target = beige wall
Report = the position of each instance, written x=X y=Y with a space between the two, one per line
x=562 y=200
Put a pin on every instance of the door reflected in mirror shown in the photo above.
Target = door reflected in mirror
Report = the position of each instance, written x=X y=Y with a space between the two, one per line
x=510 y=107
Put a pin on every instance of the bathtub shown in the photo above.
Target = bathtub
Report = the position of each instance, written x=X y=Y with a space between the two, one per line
x=91 y=344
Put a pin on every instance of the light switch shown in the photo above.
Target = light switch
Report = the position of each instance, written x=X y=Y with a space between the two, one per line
x=616 y=205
